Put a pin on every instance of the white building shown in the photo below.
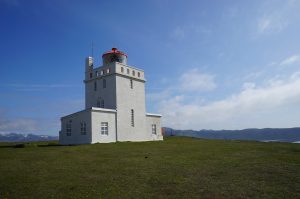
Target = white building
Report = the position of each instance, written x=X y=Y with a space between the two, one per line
x=115 y=108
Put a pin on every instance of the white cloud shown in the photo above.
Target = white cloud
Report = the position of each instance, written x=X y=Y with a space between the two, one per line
x=19 y=125
x=271 y=23
x=291 y=60
x=193 y=80
x=274 y=105
x=275 y=16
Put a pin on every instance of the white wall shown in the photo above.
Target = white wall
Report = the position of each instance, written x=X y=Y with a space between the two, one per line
x=102 y=115
x=76 y=137
x=108 y=94
x=128 y=99
x=153 y=119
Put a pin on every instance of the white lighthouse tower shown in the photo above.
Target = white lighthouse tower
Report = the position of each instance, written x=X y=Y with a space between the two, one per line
x=115 y=107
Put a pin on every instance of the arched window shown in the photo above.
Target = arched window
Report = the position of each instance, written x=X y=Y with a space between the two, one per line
x=133 y=73
x=122 y=70
x=139 y=74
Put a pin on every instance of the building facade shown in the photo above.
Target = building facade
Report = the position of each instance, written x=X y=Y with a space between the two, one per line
x=115 y=108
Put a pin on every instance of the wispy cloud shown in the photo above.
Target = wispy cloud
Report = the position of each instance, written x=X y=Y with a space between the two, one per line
x=291 y=60
x=178 y=33
x=188 y=31
x=194 y=80
x=19 y=125
x=276 y=16
x=271 y=23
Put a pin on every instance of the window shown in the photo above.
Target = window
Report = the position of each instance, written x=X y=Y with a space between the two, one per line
x=133 y=73
x=91 y=75
x=102 y=72
x=104 y=83
x=97 y=74
x=139 y=74
x=132 y=117
x=131 y=84
x=69 y=129
x=128 y=71
x=122 y=70
x=153 y=128
x=95 y=86
x=102 y=103
x=98 y=103
x=83 y=128
x=104 y=128
x=107 y=70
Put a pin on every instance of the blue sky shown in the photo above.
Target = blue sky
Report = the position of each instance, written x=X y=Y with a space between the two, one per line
x=208 y=64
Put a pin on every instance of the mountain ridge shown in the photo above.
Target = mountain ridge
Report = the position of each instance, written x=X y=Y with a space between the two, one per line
x=255 y=134
x=18 y=137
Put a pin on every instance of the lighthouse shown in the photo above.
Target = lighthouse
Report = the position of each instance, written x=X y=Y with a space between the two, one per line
x=115 y=108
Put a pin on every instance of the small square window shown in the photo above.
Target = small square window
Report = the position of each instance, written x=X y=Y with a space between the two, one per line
x=104 y=128
x=153 y=128
x=83 y=128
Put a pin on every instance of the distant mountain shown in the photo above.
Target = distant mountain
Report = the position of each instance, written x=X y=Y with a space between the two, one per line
x=15 y=137
x=265 y=135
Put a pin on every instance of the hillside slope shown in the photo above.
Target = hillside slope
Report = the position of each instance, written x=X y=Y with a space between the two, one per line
x=175 y=168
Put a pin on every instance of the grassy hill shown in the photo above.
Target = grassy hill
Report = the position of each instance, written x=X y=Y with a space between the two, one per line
x=175 y=168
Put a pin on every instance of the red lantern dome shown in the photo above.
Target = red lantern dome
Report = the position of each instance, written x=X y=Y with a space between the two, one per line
x=114 y=56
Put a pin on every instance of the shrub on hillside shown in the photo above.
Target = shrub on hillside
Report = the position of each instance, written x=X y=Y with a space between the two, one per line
x=20 y=145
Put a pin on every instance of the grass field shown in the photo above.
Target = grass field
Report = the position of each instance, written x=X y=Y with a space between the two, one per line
x=175 y=168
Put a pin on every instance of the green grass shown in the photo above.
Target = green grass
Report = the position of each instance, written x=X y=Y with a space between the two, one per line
x=175 y=168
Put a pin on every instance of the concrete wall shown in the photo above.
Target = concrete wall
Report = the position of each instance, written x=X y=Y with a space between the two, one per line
x=107 y=94
x=76 y=137
x=154 y=119
x=103 y=115
x=127 y=99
